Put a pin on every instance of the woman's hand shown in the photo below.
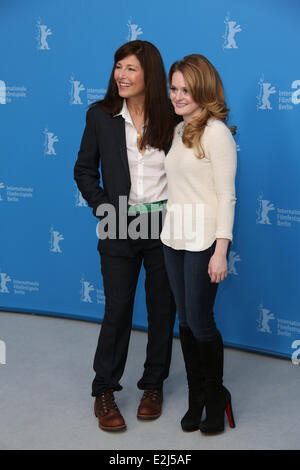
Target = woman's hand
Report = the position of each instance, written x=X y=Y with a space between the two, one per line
x=217 y=266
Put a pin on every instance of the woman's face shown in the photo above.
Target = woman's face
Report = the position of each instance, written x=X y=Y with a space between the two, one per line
x=129 y=77
x=182 y=101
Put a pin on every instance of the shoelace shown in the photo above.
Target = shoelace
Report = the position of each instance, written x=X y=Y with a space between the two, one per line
x=108 y=401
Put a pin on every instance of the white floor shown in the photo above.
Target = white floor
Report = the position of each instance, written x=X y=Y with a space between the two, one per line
x=45 y=400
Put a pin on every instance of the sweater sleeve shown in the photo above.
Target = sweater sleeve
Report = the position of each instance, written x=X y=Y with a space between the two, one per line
x=221 y=150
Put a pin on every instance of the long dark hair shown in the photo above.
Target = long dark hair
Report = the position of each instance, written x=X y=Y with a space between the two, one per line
x=158 y=113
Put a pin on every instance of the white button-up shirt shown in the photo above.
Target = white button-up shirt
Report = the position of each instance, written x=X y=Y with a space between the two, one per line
x=147 y=172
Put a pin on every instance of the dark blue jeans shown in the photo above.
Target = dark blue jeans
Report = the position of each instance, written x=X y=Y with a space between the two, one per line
x=193 y=291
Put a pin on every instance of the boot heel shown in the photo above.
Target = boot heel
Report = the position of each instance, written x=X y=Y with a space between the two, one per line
x=229 y=414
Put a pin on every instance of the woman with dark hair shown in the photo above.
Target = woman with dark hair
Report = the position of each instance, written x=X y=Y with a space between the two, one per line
x=128 y=134
x=197 y=232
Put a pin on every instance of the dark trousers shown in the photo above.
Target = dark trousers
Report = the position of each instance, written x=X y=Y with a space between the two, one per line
x=120 y=276
x=194 y=293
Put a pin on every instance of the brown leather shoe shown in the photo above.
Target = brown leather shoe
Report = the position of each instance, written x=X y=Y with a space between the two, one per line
x=107 y=412
x=151 y=404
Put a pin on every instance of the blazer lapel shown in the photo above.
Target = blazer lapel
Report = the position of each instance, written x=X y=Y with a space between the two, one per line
x=121 y=142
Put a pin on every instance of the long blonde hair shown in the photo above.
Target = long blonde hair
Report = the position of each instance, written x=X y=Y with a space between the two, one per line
x=206 y=89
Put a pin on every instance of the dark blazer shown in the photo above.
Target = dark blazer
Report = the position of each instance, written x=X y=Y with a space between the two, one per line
x=103 y=146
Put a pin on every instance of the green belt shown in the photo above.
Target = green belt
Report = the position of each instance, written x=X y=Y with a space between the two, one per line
x=147 y=207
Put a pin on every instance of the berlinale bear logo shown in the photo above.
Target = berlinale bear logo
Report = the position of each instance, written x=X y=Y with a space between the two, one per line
x=229 y=37
x=43 y=33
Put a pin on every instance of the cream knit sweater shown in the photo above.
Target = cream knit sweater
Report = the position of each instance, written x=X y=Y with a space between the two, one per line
x=201 y=192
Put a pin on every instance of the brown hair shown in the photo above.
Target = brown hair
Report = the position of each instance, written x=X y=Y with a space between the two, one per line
x=158 y=112
x=206 y=89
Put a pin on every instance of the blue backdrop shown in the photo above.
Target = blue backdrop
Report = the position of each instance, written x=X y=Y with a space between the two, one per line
x=56 y=57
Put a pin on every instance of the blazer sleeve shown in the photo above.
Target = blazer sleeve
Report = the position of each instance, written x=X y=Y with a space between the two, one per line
x=86 y=169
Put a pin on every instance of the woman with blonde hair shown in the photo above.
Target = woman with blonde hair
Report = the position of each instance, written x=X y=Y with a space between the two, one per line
x=197 y=232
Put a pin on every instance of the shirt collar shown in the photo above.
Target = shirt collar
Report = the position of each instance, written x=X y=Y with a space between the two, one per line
x=125 y=113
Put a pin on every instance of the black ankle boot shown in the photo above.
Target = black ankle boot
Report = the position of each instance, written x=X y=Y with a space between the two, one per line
x=195 y=378
x=217 y=403
x=217 y=397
